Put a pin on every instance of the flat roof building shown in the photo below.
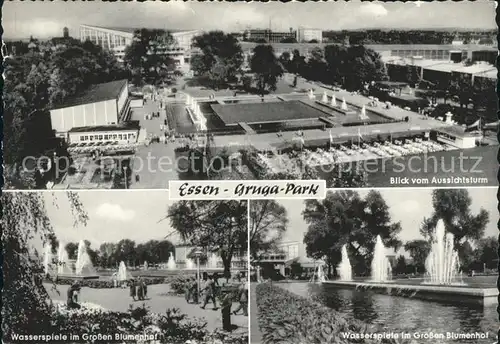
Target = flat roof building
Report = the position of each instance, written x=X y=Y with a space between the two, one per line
x=307 y=34
x=116 y=40
x=100 y=104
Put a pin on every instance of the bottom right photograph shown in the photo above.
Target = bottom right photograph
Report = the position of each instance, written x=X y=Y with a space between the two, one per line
x=375 y=266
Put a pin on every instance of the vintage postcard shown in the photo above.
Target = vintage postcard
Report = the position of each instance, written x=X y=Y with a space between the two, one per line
x=123 y=267
x=184 y=172
x=133 y=95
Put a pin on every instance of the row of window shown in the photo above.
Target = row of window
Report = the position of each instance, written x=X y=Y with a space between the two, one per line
x=106 y=137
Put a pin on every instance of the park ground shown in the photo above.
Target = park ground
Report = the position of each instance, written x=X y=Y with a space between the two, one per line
x=159 y=300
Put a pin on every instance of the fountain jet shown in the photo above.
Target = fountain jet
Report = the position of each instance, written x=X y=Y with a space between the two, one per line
x=83 y=264
x=171 y=265
x=442 y=263
x=381 y=267
x=212 y=262
x=334 y=100
x=344 y=268
x=344 y=104
x=122 y=272
x=62 y=260
x=189 y=264
x=324 y=99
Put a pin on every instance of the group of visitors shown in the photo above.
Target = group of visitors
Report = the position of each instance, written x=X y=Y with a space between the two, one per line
x=210 y=292
x=138 y=289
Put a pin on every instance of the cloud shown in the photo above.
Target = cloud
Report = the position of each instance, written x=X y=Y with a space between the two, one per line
x=374 y=10
x=114 y=212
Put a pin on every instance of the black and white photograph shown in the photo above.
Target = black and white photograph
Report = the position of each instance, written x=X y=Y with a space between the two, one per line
x=375 y=266
x=123 y=267
x=132 y=95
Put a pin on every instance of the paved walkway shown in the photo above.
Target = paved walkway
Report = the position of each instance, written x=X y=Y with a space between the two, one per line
x=119 y=300
x=255 y=334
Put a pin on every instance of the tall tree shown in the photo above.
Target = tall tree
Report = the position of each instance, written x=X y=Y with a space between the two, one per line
x=268 y=222
x=266 y=68
x=453 y=207
x=344 y=218
x=418 y=250
x=26 y=305
x=216 y=225
x=147 y=59
x=220 y=60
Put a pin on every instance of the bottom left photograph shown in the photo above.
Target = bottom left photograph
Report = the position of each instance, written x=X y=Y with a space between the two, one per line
x=123 y=267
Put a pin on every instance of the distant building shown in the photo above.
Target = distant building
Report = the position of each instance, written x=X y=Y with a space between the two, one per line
x=287 y=254
x=99 y=105
x=182 y=252
x=117 y=40
x=65 y=32
x=269 y=36
x=305 y=35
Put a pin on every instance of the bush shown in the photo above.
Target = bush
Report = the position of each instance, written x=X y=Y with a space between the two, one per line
x=179 y=283
x=288 y=318
x=106 y=284
x=174 y=90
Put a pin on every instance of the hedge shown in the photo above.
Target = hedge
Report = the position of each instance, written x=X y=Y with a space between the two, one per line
x=285 y=317
x=108 y=283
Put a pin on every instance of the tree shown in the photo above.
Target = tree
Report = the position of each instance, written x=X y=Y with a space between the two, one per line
x=71 y=249
x=487 y=252
x=26 y=306
x=298 y=63
x=285 y=60
x=344 y=218
x=216 y=225
x=316 y=65
x=461 y=86
x=266 y=68
x=401 y=266
x=34 y=83
x=347 y=176
x=453 y=207
x=418 y=250
x=220 y=60
x=268 y=222
x=146 y=57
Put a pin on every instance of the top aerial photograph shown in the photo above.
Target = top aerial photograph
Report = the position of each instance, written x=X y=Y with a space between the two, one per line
x=129 y=95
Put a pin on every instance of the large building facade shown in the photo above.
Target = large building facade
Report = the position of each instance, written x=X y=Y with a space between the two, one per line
x=308 y=35
x=99 y=105
x=116 y=40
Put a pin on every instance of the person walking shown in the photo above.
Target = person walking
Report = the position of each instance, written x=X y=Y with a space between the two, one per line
x=243 y=299
x=132 y=289
x=72 y=300
x=187 y=290
x=208 y=291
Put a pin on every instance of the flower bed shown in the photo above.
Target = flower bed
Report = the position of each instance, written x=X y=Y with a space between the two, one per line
x=285 y=317
x=137 y=325
x=108 y=283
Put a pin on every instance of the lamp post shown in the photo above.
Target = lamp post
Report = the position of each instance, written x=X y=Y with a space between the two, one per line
x=125 y=172
x=197 y=253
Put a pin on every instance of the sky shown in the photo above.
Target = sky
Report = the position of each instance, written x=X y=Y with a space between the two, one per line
x=113 y=215
x=47 y=19
x=408 y=206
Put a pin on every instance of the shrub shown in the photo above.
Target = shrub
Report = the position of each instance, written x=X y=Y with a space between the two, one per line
x=106 y=284
x=179 y=283
x=174 y=90
x=288 y=318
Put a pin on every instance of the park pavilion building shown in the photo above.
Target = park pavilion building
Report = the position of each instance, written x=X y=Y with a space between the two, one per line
x=106 y=104
x=116 y=40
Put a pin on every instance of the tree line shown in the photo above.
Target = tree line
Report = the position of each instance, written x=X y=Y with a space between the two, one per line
x=407 y=36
